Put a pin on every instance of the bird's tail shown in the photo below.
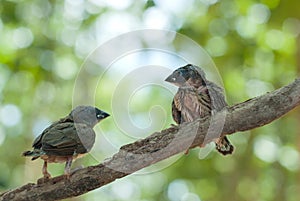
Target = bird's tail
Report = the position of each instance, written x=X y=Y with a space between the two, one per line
x=224 y=146
x=27 y=153
x=34 y=154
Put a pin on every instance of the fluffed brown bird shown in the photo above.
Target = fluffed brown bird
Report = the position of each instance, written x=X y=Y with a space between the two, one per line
x=67 y=139
x=197 y=98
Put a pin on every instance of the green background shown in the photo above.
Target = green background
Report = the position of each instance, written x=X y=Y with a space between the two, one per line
x=254 y=44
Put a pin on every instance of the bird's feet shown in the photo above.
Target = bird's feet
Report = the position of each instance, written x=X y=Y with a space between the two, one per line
x=67 y=173
x=67 y=176
x=44 y=179
x=47 y=175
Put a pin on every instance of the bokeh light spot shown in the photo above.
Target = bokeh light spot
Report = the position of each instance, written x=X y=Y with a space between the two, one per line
x=45 y=92
x=22 y=37
x=275 y=39
x=216 y=46
x=289 y=158
x=126 y=190
x=266 y=149
x=246 y=28
x=175 y=6
x=257 y=87
x=65 y=68
x=73 y=11
x=47 y=59
x=118 y=5
x=156 y=18
x=10 y=115
x=190 y=197
x=292 y=26
x=177 y=189
x=259 y=13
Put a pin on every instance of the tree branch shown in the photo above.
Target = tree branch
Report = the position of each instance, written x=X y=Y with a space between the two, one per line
x=250 y=114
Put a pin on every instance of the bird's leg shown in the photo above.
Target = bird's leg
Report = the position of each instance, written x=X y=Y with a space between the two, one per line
x=45 y=172
x=68 y=167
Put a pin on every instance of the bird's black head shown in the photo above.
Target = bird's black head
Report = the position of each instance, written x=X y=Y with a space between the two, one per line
x=88 y=115
x=188 y=75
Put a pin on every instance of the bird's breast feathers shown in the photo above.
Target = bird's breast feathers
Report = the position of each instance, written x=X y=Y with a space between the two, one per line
x=192 y=103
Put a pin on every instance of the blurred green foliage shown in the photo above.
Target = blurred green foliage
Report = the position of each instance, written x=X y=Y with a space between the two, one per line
x=254 y=44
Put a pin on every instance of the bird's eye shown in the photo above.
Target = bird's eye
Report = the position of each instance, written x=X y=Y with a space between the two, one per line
x=98 y=116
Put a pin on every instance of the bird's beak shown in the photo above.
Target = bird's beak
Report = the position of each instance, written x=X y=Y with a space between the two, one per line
x=170 y=79
x=103 y=115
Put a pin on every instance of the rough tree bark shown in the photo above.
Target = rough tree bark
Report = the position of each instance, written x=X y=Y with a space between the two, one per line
x=250 y=114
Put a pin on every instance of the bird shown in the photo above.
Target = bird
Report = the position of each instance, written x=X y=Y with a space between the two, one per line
x=67 y=139
x=197 y=97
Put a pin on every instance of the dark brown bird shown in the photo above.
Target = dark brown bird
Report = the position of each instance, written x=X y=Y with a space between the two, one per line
x=197 y=98
x=67 y=139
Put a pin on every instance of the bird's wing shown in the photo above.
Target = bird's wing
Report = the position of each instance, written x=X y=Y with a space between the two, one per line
x=37 y=143
x=216 y=94
x=176 y=113
x=65 y=139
